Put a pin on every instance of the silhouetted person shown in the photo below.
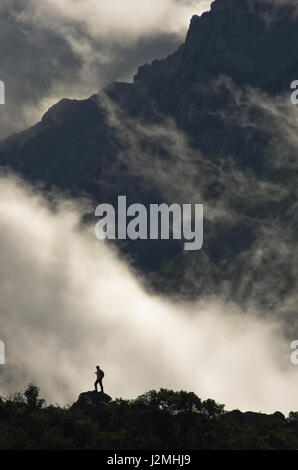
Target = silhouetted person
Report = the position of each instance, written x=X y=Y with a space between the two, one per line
x=100 y=375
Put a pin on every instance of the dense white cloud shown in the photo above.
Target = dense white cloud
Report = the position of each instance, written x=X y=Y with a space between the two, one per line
x=124 y=20
x=69 y=303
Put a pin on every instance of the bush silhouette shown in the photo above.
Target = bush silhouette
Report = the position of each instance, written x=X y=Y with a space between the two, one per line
x=156 y=420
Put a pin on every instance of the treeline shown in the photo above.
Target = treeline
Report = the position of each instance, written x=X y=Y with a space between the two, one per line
x=157 y=420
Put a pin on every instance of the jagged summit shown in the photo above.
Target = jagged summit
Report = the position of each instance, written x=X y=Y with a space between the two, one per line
x=242 y=39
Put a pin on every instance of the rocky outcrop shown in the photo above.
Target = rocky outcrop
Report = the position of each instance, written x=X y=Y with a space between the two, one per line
x=90 y=400
x=254 y=418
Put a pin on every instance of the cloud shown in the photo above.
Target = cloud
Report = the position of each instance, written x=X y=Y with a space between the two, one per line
x=250 y=247
x=68 y=303
x=128 y=19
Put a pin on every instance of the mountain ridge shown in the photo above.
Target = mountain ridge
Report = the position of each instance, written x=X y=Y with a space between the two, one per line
x=193 y=127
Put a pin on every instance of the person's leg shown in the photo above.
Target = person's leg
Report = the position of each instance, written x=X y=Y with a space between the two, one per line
x=101 y=386
x=95 y=385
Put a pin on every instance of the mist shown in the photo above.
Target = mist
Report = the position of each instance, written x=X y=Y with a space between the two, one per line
x=69 y=303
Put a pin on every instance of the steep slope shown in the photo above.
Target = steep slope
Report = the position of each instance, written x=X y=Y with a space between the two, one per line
x=209 y=124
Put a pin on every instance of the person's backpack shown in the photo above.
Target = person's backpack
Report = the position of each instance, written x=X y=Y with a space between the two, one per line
x=102 y=374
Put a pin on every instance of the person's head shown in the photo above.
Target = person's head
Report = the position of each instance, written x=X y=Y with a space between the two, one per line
x=97 y=367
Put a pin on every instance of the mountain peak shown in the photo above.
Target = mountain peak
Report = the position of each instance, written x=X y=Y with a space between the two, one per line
x=246 y=42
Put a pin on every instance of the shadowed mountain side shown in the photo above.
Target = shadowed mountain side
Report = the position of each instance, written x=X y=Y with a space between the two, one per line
x=209 y=124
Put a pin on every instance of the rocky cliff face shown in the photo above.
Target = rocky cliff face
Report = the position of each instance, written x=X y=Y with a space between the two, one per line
x=212 y=124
